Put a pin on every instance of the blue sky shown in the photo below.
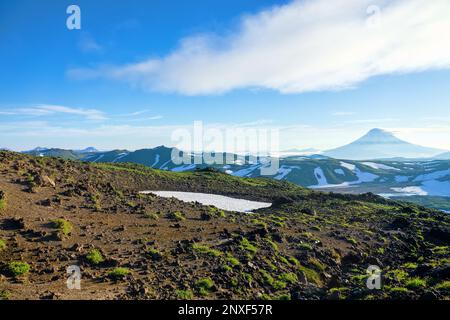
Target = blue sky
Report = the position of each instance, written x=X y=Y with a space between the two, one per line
x=138 y=70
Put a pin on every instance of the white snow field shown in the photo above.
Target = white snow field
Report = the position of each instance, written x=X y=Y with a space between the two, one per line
x=361 y=175
x=379 y=166
x=413 y=191
x=221 y=202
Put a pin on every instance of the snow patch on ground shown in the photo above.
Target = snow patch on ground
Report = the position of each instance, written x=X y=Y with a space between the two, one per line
x=186 y=167
x=284 y=171
x=362 y=177
x=101 y=156
x=247 y=171
x=221 y=202
x=120 y=156
x=339 y=171
x=413 y=191
x=156 y=160
x=320 y=176
x=348 y=166
x=379 y=166
x=164 y=165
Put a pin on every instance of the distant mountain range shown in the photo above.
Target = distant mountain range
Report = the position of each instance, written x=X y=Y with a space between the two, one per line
x=398 y=176
x=443 y=156
x=380 y=144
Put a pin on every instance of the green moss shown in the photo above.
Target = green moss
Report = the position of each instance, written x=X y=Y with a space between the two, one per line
x=2 y=204
x=289 y=277
x=95 y=257
x=215 y=212
x=360 y=278
x=410 y=265
x=5 y=295
x=284 y=260
x=397 y=275
x=63 y=226
x=416 y=283
x=293 y=261
x=119 y=273
x=352 y=241
x=270 y=264
x=184 y=294
x=3 y=245
x=204 y=286
x=267 y=278
x=248 y=277
x=445 y=286
x=154 y=254
x=310 y=274
x=177 y=216
x=18 y=268
x=246 y=245
x=204 y=249
x=340 y=289
x=283 y=296
x=398 y=290
x=272 y=244
x=316 y=264
x=151 y=215
x=380 y=250
x=259 y=223
x=279 y=285
x=305 y=246
x=440 y=250
x=226 y=268
x=232 y=260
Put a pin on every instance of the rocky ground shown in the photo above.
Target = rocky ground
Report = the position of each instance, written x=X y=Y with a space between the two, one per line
x=56 y=213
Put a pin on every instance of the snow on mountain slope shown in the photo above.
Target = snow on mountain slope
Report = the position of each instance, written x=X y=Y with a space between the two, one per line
x=379 y=166
x=320 y=176
x=157 y=157
x=380 y=144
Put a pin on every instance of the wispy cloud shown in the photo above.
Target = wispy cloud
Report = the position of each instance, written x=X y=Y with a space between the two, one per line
x=342 y=113
x=371 y=121
x=302 y=46
x=88 y=44
x=45 y=110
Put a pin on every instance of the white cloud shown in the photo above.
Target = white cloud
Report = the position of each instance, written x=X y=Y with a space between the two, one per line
x=44 y=110
x=88 y=44
x=342 y=113
x=307 y=45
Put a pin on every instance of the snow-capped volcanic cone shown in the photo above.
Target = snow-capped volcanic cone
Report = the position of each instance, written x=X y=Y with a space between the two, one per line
x=381 y=144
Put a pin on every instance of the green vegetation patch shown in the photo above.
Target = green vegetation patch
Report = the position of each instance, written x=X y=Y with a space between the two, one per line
x=311 y=275
x=95 y=257
x=5 y=295
x=204 y=286
x=63 y=226
x=18 y=268
x=204 y=249
x=184 y=294
x=232 y=261
x=177 y=216
x=151 y=215
x=416 y=283
x=289 y=277
x=154 y=254
x=119 y=273
x=246 y=245
x=3 y=245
